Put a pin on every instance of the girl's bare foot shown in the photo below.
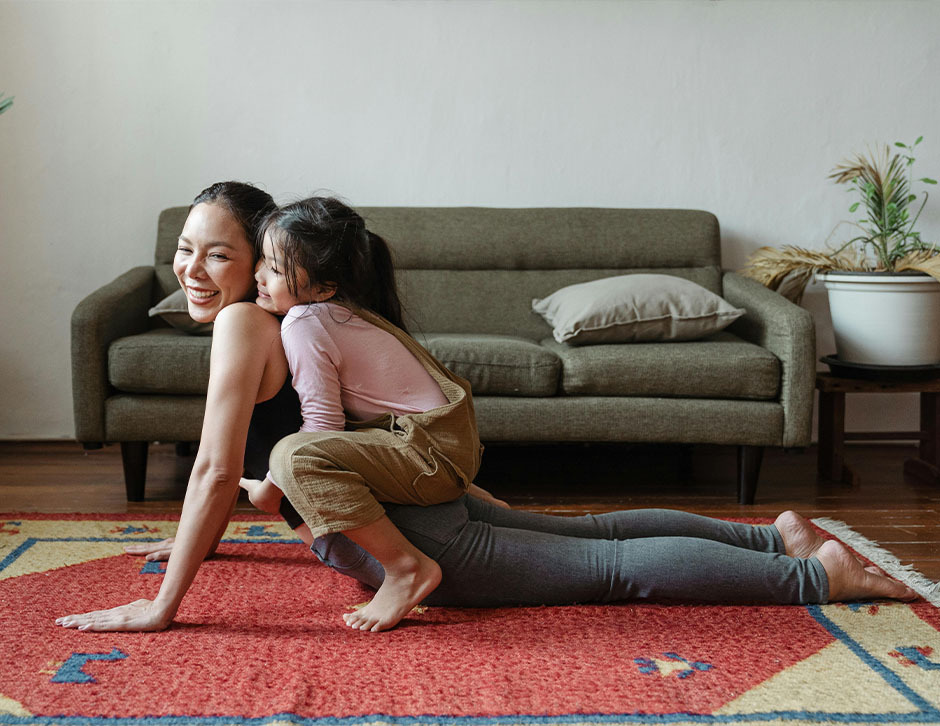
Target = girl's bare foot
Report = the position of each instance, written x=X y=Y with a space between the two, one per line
x=850 y=580
x=264 y=495
x=480 y=493
x=404 y=587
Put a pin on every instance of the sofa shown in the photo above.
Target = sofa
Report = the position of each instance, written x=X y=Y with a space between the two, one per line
x=468 y=278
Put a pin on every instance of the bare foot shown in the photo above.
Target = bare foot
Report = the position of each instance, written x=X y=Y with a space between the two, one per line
x=399 y=593
x=849 y=580
x=799 y=537
x=264 y=495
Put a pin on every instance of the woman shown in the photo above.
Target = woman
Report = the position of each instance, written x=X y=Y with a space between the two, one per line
x=489 y=556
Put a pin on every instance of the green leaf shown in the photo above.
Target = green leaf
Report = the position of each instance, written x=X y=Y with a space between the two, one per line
x=854 y=206
x=899 y=144
x=919 y=139
x=926 y=180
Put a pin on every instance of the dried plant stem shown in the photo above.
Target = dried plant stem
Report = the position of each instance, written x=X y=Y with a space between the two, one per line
x=789 y=269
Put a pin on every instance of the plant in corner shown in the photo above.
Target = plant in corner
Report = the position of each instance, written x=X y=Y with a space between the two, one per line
x=878 y=318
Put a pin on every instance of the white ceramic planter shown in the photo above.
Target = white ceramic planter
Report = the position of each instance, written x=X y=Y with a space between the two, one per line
x=885 y=319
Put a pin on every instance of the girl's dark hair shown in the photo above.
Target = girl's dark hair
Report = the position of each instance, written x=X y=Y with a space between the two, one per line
x=248 y=204
x=329 y=241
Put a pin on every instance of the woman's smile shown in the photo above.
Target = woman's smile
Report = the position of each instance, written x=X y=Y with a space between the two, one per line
x=200 y=295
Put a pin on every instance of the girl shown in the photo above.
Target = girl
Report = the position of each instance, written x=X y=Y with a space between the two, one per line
x=382 y=420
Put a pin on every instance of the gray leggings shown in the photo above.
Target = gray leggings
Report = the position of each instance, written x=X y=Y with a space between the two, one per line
x=492 y=557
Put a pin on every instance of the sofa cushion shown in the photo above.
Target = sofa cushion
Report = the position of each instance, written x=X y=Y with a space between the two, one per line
x=164 y=360
x=634 y=308
x=498 y=365
x=721 y=366
x=174 y=310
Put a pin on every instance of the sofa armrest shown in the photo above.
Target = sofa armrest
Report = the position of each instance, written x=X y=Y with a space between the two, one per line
x=787 y=331
x=110 y=312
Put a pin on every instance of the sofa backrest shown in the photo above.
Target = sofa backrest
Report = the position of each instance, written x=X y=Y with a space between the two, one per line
x=477 y=269
x=169 y=226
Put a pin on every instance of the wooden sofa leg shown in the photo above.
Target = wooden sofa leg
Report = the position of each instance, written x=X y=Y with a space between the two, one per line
x=134 y=458
x=749 y=461
x=185 y=448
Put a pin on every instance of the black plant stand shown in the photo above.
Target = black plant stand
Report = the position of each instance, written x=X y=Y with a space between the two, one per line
x=832 y=434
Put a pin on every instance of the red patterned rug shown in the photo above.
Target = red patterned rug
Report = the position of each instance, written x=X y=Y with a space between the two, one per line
x=259 y=640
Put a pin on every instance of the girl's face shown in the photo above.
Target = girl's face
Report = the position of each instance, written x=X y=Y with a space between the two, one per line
x=214 y=261
x=273 y=293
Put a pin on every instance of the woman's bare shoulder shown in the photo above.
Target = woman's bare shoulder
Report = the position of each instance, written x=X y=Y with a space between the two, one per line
x=245 y=318
x=246 y=338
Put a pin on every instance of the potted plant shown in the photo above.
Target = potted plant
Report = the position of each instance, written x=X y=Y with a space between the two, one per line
x=883 y=282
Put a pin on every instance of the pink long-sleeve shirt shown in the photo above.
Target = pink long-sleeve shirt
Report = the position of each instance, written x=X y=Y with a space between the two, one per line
x=342 y=365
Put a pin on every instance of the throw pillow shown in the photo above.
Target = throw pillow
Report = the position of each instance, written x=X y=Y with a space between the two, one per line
x=174 y=310
x=634 y=308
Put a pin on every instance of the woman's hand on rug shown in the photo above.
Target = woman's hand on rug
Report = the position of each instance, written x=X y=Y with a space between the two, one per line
x=157 y=551
x=153 y=551
x=140 y=615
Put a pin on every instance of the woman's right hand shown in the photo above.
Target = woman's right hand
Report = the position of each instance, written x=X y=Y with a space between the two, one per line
x=138 y=616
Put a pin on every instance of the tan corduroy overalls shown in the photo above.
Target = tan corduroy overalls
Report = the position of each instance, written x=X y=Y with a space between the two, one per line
x=336 y=479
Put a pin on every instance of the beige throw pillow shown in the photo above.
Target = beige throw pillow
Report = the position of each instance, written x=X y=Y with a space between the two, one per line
x=633 y=309
x=174 y=310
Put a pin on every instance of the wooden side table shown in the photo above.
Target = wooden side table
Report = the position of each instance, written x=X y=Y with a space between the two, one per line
x=832 y=435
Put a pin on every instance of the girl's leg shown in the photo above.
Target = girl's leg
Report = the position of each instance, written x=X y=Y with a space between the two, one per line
x=410 y=576
x=333 y=479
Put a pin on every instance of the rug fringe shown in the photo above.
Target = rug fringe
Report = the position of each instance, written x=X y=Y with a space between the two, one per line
x=922 y=585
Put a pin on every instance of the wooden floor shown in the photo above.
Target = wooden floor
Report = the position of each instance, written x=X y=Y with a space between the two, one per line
x=901 y=515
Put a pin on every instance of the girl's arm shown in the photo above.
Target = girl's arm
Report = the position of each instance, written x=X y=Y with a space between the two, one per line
x=247 y=365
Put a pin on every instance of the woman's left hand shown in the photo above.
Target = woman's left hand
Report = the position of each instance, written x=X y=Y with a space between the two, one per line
x=153 y=551
x=138 y=616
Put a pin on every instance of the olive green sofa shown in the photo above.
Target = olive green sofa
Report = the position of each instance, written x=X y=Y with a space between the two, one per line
x=468 y=277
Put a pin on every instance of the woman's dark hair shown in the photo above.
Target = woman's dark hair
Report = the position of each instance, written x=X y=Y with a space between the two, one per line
x=330 y=242
x=248 y=204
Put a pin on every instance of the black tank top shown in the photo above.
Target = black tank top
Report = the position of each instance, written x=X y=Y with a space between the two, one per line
x=271 y=421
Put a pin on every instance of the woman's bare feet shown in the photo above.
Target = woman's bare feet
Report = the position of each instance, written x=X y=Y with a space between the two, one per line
x=850 y=580
x=799 y=537
x=405 y=586
x=264 y=495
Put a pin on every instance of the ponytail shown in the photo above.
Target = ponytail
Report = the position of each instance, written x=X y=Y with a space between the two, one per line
x=380 y=283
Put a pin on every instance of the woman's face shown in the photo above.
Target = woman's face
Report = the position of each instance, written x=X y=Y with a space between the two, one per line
x=214 y=261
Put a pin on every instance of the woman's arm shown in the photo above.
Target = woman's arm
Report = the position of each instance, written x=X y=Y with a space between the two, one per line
x=247 y=365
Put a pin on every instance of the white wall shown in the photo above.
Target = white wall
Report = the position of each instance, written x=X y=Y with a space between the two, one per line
x=125 y=107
